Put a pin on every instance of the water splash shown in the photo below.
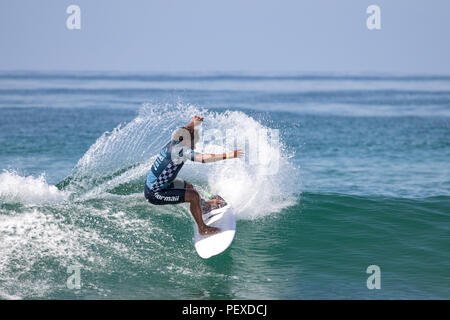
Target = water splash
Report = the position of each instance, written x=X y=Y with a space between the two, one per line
x=125 y=154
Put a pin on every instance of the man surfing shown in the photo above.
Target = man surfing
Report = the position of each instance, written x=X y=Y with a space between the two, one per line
x=162 y=185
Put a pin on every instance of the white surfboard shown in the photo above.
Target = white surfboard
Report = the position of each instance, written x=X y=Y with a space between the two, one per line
x=211 y=245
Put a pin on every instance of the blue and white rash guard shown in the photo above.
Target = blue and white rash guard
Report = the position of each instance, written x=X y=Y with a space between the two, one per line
x=167 y=165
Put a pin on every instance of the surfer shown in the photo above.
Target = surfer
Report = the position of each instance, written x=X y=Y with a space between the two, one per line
x=162 y=185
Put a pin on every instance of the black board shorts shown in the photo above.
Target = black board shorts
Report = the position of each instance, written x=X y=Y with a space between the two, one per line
x=174 y=194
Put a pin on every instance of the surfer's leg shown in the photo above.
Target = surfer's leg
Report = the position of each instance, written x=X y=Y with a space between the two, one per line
x=193 y=198
x=188 y=185
x=180 y=183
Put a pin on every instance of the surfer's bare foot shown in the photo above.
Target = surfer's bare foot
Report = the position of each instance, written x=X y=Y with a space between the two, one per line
x=208 y=230
x=214 y=201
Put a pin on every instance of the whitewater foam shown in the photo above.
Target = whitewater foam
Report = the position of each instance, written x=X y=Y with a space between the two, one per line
x=28 y=189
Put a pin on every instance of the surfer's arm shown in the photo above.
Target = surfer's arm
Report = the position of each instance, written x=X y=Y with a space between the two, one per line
x=196 y=120
x=213 y=157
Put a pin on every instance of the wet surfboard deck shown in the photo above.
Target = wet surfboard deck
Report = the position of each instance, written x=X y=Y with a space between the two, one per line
x=221 y=216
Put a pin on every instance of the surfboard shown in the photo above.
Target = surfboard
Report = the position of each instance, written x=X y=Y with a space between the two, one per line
x=221 y=216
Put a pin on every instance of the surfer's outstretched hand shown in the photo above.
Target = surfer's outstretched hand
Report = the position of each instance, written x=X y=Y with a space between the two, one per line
x=196 y=120
x=238 y=153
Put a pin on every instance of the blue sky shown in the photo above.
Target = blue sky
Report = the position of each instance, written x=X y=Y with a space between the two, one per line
x=226 y=35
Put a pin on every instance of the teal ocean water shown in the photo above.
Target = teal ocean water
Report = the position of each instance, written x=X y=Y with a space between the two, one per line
x=362 y=178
